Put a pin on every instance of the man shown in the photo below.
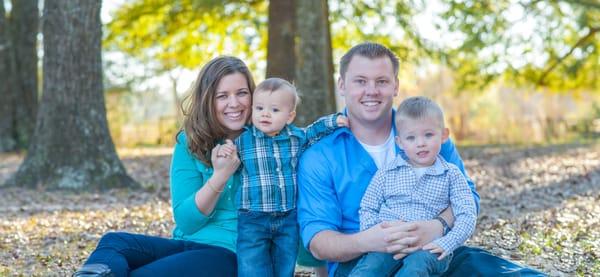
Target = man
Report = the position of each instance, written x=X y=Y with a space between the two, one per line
x=335 y=172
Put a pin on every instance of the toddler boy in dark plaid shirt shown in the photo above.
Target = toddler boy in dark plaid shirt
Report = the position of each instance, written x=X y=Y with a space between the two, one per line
x=418 y=185
x=269 y=150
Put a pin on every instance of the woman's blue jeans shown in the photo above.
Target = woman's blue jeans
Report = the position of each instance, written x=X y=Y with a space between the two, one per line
x=140 y=255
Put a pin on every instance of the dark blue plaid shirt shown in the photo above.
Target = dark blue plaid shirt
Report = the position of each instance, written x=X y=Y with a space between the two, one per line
x=269 y=164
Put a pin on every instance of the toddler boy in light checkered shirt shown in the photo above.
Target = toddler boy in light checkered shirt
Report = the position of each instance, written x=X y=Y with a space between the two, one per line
x=269 y=149
x=418 y=185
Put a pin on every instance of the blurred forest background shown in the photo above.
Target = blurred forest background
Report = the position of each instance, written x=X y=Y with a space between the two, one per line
x=504 y=71
x=91 y=95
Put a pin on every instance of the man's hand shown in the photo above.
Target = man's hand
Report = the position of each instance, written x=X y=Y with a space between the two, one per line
x=342 y=121
x=373 y=239
x=435 y=249
x=406 y=237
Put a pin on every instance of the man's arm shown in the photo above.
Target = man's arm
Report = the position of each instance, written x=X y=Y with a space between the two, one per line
x=335 y=246
x=320 y=128
x=338 y=247
x=320 y=214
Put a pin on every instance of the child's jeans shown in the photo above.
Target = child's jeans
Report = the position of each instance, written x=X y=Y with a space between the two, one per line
x=267 y=243
x=420 y=263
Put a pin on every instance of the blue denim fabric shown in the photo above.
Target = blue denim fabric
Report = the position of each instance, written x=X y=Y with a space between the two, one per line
x=467 y=261
x=375 y=264
x=140 y=255
x=423 y=263
x=267 y=243
x=420 y=263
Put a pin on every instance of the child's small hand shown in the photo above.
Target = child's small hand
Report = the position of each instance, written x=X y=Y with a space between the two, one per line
x=227 y=150
x=224 y=160
x=436 y=249
x=342 y=121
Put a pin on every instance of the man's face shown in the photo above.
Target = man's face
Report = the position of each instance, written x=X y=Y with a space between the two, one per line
x=369 y=87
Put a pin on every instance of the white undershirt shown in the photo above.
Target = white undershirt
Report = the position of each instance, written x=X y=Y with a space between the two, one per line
x=382 y=154
x=420 y=171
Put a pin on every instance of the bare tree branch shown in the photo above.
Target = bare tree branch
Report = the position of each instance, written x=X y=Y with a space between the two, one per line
x=591 y=33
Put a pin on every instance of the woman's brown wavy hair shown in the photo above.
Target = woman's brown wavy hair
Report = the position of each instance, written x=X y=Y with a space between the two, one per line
x=201 y=127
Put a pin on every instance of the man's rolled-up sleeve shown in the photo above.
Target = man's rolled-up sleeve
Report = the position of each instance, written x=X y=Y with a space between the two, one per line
x=318 y=207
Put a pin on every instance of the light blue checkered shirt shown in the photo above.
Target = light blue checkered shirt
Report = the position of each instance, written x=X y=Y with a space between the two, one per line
x=395 y=194
x=269 y=164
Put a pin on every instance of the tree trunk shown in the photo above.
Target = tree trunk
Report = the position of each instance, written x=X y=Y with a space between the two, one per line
x=314 y=66
x=8 y=140
x=176 y=99
x=71 y=147
x=281 y=60
x=24 y=26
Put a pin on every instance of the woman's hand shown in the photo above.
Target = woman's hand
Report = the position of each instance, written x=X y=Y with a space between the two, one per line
x=225 y=161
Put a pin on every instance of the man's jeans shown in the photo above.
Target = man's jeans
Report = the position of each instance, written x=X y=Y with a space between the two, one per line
x=468 y=261
x=420 y=263
x=267 y=243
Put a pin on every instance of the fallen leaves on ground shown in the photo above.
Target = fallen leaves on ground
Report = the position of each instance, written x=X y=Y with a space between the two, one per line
x=539 y=207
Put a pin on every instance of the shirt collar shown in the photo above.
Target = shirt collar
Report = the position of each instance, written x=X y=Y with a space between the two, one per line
x=346 y=131
x=438 y=168
x=287 y=131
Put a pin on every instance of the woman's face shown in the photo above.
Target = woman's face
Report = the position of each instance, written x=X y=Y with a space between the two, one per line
x=233 y=101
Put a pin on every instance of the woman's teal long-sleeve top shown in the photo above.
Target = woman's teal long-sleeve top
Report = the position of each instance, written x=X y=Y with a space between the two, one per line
x=188 y=175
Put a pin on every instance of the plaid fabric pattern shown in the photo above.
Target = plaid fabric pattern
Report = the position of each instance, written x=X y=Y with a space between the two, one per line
x=269 y=164
x=395 y=194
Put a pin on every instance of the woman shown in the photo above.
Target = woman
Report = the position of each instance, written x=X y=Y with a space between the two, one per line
x=202 y=188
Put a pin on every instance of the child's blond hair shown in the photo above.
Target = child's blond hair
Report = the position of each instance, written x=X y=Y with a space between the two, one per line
x=417 y=107
x=273 y=84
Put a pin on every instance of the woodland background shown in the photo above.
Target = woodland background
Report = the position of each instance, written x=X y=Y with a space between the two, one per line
x=91 y=94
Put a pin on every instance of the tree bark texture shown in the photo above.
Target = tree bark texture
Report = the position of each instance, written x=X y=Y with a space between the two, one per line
x=71 y=147
x=8 y=140
x=24 y=26
x=281 y=57
x=314 y=67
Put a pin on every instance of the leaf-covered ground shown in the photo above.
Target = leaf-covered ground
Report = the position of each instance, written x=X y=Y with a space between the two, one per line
x=539 y=207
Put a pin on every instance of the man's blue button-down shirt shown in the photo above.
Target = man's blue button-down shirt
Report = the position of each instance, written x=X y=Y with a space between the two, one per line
x=333 y=176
